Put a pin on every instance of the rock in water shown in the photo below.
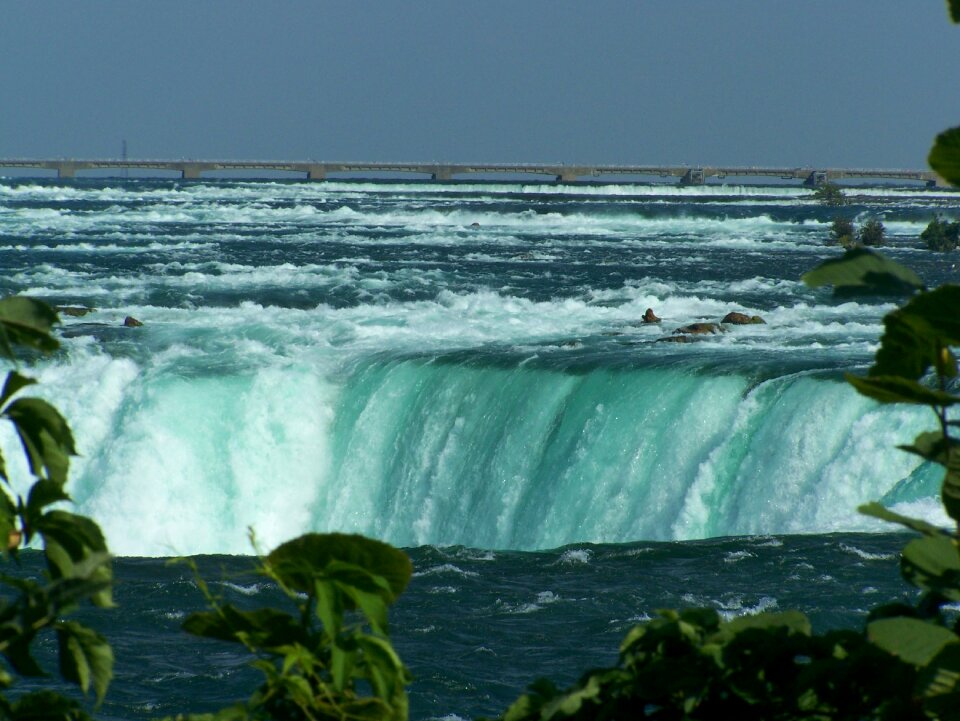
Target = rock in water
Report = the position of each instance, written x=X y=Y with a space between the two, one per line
x=676 y=339
x=131 y=322
x=650 y=317
x=736 y=318
x=75 y=311
x=699 y=329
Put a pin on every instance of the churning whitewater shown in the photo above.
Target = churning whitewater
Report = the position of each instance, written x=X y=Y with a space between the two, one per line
x=440 y=364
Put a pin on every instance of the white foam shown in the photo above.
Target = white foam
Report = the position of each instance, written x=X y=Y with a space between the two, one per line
x=444 y=569
x=735 y=556
x=245 y=590
x=544 y=598
x=201 y=451
x=733 y=607
x=576 y=556
x=866 y=555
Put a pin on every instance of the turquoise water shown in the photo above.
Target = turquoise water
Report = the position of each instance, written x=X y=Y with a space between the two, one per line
x=463 y=366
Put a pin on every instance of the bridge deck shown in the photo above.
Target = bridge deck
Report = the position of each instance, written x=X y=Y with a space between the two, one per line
x=318 y=170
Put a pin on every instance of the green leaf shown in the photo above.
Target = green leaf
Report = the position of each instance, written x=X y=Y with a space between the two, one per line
x=360 y=588
x=341 y=666
x=910 y=639
x=47 y=706
x=933 y=564
x=948 y=364
x=706 y=619
x=944 y=156
x=348 y=575
x=298 y=562
x=864 y=270
x=237 y=712
x=895 y=389
x=917 y=336
x=72 y=544
x=329 y=606
x=876 y=510
x=386 y=671
x=36 y=608
x=931 y=446
x=45 y=435
x=372 y=605
x=954 y=7
x=8 y=522
x=13 y=384
x=950 y=490
x=85 y=657
x=526 y=707
x=907 y=348
x=42 y=494
x=937 y=310
x=26 y=322
x=941 y=678
x=58 y=594
x=298 y=690
x=264 y=627
x=17 y=652
x=571 y=703
x=793 y=621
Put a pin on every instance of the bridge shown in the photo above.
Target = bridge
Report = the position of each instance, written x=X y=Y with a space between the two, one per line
x=561 y=173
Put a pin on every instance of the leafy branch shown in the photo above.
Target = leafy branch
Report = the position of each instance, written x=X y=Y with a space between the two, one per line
x=317 y=661
x=78 y=562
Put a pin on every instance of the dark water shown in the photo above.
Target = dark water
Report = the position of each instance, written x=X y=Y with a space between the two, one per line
x=476 y=627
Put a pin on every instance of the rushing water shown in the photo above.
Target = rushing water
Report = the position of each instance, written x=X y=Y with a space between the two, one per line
x=462 y=366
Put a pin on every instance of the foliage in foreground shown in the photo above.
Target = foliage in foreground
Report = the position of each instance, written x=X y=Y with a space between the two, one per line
x=318 y=661
x=78 y=566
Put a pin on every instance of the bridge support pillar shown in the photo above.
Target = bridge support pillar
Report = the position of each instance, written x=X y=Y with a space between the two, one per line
x=190 y=172
x=66 y=170
x=441 y=173
x=567 y=176
x=694 y=176
x=316 y=172
x=816 y=179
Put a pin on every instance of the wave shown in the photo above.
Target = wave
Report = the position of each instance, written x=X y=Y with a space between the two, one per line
x=374 y=214
x=34 y=221
x=287 y=189
x=221 y=188
x=602 y=327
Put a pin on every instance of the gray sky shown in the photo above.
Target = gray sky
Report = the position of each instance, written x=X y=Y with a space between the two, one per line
x=862 y=83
